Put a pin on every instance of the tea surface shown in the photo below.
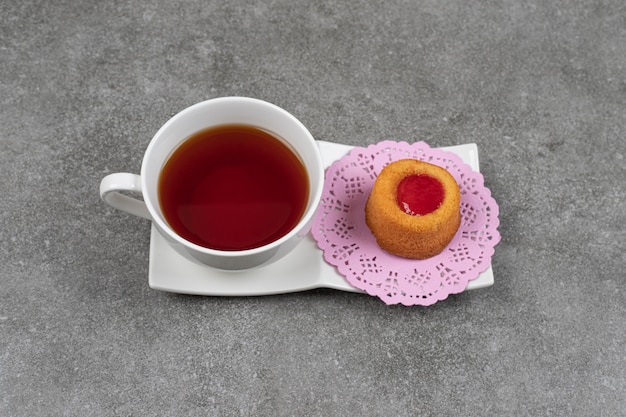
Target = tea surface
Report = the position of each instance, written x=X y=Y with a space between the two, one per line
x=233 y=187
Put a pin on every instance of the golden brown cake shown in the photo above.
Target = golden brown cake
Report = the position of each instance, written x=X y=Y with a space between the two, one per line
x=414 y=209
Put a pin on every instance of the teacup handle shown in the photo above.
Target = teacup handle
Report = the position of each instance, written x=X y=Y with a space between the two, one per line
x=110 y=191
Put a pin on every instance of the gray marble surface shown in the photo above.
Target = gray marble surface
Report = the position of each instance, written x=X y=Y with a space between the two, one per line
x=540 y=87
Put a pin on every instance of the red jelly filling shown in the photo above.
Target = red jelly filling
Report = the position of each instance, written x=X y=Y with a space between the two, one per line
x=419 y=194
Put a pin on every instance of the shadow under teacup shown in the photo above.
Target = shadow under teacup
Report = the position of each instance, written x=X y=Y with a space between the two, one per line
x=231 y=182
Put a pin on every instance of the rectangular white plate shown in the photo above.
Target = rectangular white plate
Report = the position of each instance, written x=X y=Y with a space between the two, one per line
x=302 y=269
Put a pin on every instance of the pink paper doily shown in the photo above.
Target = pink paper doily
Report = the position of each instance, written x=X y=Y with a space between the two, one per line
x=341 y=233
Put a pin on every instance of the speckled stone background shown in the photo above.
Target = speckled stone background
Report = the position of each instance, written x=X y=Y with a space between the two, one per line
x=539 y=86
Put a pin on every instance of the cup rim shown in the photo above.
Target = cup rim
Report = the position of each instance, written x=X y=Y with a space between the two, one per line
x=306 y=218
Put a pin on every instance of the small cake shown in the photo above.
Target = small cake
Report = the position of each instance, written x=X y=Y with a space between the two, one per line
x=414 y=209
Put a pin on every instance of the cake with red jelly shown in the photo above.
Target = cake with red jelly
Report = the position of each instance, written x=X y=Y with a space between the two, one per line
x=414 y=209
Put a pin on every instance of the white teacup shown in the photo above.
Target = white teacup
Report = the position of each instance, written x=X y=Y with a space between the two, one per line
x=207 y=114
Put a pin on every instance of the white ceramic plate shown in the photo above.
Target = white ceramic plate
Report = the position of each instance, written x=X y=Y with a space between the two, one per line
x=302 y=269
